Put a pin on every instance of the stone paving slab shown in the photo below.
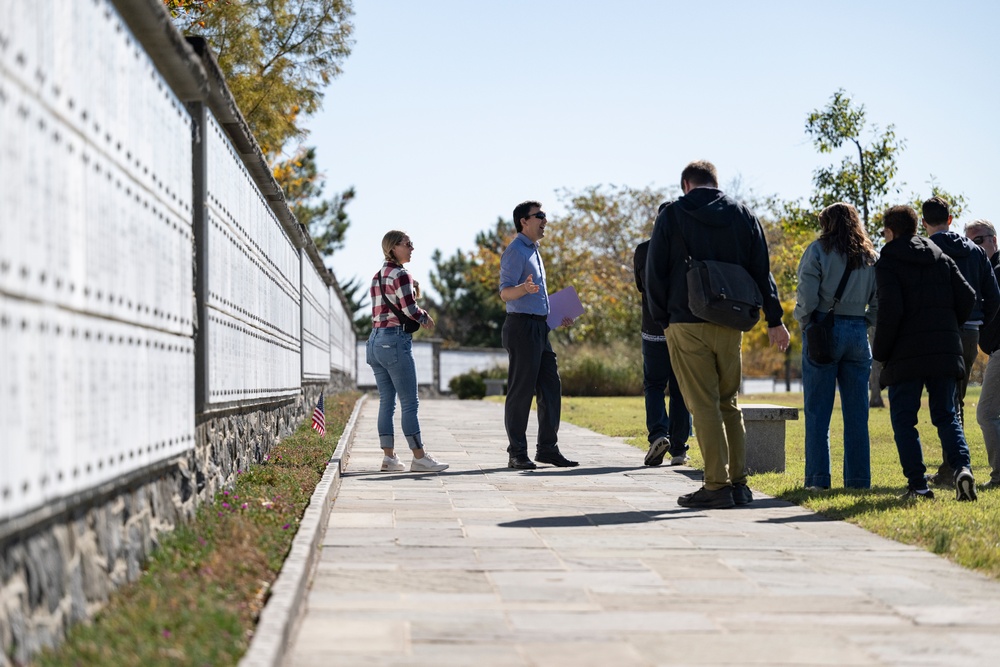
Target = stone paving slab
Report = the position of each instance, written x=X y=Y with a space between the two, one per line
x=484 y=566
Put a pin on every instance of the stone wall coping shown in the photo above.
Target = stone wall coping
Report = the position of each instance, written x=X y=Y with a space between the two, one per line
x=278 y=619
x=768 y=412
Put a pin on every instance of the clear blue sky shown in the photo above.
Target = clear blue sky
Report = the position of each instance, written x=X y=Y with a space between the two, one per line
x=451 y=112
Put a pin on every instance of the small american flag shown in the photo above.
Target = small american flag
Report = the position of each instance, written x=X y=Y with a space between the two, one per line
x=319 y=421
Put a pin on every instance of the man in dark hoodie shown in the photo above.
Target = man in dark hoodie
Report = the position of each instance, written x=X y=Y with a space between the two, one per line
x=706 y=357
x=984 y=235
x=665 y=431
x=923 y=300
x=975 y=267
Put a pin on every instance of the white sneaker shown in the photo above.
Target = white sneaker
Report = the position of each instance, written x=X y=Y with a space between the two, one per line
x=679 y=460
x=392 y=464
x=427 y=464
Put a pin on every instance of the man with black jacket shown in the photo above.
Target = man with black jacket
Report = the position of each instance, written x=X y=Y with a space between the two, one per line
x=667 y=432
x=706 y=356
x=923 y=300
x=984 y=235
x=974 y=266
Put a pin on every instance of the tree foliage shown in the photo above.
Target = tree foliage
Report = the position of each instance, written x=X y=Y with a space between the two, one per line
x=325 y=219
x=865 y=175
x=276 y=55
x=589 y=247
x=470 y=311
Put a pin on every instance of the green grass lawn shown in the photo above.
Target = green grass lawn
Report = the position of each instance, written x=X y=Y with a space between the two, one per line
x=967 y=533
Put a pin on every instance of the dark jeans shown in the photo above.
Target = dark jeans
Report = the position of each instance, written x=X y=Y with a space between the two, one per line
x=904 y=404
x=657 y=375
x=532 y=372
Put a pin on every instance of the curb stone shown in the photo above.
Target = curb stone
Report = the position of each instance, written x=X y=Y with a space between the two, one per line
x=278 y=619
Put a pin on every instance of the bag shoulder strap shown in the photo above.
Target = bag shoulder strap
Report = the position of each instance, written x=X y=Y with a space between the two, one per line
x=395 y=311
x=841 y=286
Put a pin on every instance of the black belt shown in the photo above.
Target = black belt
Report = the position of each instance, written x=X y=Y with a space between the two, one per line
x=537 y=318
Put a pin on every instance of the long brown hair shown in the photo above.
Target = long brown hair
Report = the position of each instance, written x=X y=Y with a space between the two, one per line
x=841 y=232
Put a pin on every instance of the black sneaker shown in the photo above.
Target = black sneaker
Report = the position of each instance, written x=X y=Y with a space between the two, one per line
x=965 y=485
x=913 y=494
x=657 y=451
x=719 y=499
x=742 y=494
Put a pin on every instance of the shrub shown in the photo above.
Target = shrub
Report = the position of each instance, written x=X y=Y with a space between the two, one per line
x=468 y=385
x=601 y=370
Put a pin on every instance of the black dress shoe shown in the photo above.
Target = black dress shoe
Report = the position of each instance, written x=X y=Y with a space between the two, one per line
x=555 y=458
x=521 y=462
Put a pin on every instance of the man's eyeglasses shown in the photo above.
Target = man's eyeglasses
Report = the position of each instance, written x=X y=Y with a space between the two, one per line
x=540 y=215
x=408 y=244
x=978 y=240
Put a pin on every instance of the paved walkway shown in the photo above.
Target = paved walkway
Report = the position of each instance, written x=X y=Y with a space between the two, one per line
x=482 y=566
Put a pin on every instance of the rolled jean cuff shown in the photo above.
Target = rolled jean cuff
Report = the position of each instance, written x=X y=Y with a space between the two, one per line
x=414 y=441
x=386 y=441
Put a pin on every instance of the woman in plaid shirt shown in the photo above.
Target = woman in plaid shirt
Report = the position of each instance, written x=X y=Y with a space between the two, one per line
x=390 y=353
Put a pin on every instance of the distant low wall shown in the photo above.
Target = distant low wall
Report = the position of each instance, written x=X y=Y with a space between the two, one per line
x=436 y=366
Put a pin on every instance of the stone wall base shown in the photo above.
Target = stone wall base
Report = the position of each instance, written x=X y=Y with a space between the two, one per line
x=60 y=564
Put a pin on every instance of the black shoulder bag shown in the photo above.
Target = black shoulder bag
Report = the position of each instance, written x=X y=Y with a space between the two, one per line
x=409 y=324
x=720 y=292
x=819 y=334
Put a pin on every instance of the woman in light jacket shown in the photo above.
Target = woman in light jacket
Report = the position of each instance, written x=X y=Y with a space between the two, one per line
x=390 y=353
x=842 y=242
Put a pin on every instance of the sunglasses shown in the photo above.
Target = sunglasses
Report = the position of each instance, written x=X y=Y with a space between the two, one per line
x=408 y=244
x=978 y=240
x=540 y=215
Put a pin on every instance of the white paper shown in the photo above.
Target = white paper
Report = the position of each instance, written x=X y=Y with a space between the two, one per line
x=564 y=303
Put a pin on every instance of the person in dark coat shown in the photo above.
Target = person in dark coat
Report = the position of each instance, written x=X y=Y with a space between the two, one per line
x=923 y=300
x=984 y=235
x=666 y=431
x=974 y=265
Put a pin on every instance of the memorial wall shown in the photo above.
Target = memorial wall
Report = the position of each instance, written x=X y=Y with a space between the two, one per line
x=163 y=318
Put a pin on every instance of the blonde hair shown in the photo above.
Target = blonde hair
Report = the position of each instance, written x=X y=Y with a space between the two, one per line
x=391 y=239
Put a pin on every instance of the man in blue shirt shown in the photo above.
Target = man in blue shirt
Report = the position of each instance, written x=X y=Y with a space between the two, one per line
x=532 y=370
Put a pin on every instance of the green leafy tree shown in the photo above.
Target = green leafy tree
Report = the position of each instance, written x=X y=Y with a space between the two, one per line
x=591 y=248
x=865 y=175
x=356 y=292
x=470 y=311
x=277 y=56
x=956 y=202
x=325 y=219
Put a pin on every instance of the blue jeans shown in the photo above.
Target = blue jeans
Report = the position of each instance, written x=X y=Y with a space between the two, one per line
x=390 y=354
x=657 y=375
x=852 y=362
x=904 y=403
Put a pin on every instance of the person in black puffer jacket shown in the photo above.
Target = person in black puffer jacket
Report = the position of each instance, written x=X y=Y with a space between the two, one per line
x=974 y=265
x=922 y=301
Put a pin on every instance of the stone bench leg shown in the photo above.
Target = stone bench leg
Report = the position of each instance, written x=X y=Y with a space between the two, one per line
x=765 y=445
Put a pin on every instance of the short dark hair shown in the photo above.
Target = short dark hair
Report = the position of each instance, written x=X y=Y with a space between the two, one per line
x=700 y=173
x=521 y=211
x=935 y=211
x=901 y=220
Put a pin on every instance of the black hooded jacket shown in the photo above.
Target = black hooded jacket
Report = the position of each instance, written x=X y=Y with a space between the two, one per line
x=922 y=302
x=975 y=268
x=715 y=227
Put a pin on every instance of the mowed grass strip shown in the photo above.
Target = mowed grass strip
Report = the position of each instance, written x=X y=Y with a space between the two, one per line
x=967 y=533
x=198 y=600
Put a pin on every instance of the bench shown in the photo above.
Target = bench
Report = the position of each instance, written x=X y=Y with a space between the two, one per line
x=765 y=427
x=495 y=387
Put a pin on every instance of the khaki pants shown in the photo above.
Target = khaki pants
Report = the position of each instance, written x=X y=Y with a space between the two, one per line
x=708 y=365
